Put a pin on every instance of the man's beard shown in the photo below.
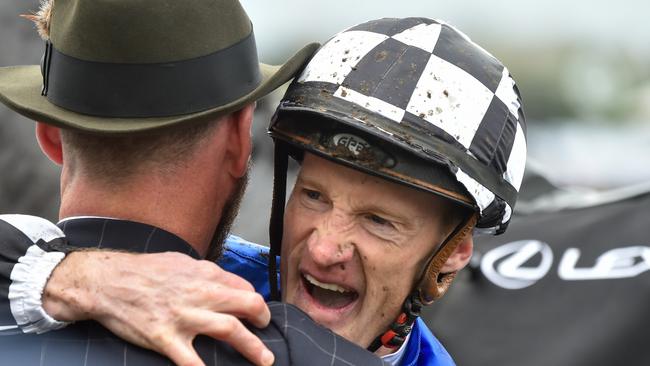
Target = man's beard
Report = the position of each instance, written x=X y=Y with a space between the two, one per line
x=228 y=215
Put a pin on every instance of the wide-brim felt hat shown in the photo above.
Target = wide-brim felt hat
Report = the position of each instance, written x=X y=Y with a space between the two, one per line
x=126 y=66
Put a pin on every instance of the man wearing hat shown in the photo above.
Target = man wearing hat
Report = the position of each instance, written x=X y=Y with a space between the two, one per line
x=147 y=106
x=409 y=136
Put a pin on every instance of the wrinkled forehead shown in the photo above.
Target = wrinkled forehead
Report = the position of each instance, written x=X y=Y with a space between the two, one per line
x=366 y=189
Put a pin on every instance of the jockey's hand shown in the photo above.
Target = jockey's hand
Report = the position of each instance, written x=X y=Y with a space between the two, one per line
x=159 y=301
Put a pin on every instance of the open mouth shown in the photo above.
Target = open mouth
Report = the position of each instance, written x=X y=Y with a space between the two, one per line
x=328 y=295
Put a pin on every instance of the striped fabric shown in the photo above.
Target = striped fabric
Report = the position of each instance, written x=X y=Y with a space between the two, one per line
x=428 y=76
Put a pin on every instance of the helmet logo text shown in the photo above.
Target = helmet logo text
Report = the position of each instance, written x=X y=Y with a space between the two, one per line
x=353 y=143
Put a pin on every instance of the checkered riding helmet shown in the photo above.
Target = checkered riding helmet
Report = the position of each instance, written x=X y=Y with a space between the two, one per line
x=414 y=101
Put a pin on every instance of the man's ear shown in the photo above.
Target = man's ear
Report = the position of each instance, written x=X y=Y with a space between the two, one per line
x=460 y=256
x=240 y=144
x=49 y=139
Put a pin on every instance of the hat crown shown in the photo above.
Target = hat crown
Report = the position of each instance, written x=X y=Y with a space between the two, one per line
x=146 y=31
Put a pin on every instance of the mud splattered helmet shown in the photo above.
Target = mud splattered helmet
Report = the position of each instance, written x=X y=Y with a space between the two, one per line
x=416 y=102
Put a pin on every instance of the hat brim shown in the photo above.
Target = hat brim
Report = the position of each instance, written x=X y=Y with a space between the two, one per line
x=20 y=90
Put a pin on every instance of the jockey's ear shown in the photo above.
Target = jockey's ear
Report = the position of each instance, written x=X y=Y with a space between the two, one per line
x=460 y=257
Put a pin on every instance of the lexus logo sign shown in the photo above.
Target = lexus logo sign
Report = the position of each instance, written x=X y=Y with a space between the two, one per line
x=520 y=264
x=504 y=265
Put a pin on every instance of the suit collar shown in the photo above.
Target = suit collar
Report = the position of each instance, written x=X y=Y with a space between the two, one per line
x=110 y=233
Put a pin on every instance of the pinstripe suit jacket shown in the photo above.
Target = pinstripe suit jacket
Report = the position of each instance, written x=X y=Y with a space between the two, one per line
x=292 y=336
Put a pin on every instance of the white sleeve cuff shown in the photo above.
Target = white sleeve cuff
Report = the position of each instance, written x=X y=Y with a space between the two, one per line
x=28 y=278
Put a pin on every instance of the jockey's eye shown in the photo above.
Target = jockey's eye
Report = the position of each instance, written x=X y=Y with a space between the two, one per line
x=311 y=194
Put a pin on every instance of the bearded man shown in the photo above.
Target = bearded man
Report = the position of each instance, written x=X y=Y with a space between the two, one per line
x=147 y=106
x=410 y=137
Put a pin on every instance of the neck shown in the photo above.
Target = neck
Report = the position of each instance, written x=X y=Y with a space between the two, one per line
x=188 y=210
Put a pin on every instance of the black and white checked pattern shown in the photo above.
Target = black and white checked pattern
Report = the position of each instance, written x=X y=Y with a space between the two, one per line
x=292 y=336
x=428 y=75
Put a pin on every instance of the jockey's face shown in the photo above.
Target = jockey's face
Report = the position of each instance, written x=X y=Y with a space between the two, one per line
x=353 y=246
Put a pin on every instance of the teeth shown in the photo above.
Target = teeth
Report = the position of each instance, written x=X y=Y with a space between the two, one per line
x=327 y=286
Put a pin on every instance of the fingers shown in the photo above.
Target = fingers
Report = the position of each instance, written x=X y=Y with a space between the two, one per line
x=240 y=303
x=162 y=301
x=182 y=354
x=229 y=329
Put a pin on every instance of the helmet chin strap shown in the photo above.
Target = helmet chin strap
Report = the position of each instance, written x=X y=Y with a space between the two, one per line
x=276 y=226
x=431 y=287
x=396 y=334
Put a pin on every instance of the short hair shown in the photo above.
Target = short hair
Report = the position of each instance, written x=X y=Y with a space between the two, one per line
x=115 y=158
